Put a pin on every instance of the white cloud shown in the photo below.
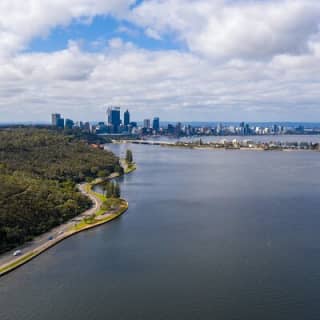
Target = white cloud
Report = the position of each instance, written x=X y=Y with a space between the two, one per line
x=230 y=29
x=21 y=21
x=246 y=59
x=152 y=34
x=81 y=84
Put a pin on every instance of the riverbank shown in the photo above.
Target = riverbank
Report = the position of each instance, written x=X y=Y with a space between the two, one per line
x=103 y=211
x=128 y=167
x=244 y=145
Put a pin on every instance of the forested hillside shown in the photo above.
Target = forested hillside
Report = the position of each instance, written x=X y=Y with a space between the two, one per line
x=39 y=170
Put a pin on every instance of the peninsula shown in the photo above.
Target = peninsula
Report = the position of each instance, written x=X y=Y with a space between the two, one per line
x=47 y=194
x=104 y=210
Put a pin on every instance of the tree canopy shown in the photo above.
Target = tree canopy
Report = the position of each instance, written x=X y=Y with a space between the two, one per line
x=39 y=169
x=112 y=189
x=129 y=156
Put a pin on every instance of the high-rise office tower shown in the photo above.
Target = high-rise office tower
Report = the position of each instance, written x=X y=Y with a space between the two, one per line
x=54 y=118
x=178 y=129
x=146 y=123
x=57 y=121
x=114 y=121
x=126 y=118
x=68 y=123
x=156 y=124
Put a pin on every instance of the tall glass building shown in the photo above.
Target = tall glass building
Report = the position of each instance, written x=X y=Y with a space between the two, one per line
x=57 y=120
x=113 y=114
x=156 y=124
x=126 y=118
x=146 y=123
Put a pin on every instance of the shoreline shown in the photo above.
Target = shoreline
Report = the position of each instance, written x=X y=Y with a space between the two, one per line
x=216 y=146
x=128 y=167
x=95 y=213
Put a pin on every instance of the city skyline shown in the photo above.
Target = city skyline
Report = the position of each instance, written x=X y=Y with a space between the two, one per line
x=202 y=63
x=133 y=116
x=115 y=124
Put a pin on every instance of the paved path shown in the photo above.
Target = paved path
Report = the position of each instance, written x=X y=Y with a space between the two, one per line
x=55 y=233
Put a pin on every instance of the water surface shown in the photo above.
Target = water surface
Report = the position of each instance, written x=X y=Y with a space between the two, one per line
x=208 y=235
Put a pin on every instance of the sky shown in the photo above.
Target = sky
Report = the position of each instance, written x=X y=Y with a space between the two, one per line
x=181 y=60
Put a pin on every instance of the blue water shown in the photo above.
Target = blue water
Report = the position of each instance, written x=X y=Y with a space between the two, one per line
x=208 y=235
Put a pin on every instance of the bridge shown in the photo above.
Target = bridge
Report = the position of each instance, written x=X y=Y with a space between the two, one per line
x=148 y=142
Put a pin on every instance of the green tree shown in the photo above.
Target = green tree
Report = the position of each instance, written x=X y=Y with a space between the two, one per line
x=117 y=191
x=129 y=157
x=102 y=173
x=109 y=189
x=118 y=168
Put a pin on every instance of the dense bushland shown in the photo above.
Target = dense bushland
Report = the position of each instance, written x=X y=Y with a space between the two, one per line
x=39 y=169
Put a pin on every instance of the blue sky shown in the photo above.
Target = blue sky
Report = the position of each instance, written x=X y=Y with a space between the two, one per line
x=188 y=60
x=100 y=30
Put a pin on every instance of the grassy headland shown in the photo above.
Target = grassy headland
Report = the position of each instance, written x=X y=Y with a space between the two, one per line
x=130 y=167
x=110 y=209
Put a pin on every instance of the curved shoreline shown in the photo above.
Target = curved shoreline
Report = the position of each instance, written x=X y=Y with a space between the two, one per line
x=98 y=200
x=128 y=167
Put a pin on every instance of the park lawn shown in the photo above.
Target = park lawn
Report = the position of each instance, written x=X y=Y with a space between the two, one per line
x=131 y=167
x=108 y=204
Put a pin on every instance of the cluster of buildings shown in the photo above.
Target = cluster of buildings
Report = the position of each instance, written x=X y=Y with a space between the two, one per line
x=114 y=125
x=244 y=129
x=61 y=123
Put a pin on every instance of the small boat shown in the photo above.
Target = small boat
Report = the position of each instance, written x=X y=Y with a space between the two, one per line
x=17 y=253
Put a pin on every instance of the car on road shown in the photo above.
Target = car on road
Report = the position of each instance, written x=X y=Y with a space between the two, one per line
x=17 y=253
x=50 y=237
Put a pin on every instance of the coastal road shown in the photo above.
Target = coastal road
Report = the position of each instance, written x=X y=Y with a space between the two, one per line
x=55 y=233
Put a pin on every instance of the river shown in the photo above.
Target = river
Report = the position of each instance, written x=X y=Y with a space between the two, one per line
x=209 y=234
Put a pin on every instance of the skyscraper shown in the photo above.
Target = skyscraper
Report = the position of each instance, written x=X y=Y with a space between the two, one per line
x=114 y=121
x=156 y=124
x=57 y=121
x=68 y=124
x=126 y=118
x=54 y=118
x=146 y=123
x=178 y=129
